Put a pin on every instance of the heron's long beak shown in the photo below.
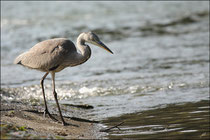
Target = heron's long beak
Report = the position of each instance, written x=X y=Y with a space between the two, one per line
x=100 y=44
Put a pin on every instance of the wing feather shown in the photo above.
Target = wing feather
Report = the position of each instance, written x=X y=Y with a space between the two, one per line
x=47 y=54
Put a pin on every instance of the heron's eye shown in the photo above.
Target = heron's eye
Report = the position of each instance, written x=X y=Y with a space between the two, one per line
x=94 y=39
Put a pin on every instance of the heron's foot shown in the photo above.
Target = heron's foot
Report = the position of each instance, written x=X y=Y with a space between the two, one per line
x=69 y=124
x=48 y=113
x=64 y=123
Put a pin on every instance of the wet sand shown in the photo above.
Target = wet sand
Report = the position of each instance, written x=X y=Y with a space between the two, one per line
x=22 y=121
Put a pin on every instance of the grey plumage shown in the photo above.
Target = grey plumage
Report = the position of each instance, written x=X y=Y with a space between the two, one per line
x=54 y=55
x=47 y=54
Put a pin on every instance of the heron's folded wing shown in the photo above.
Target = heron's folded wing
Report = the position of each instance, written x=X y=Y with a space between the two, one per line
x=46 y=55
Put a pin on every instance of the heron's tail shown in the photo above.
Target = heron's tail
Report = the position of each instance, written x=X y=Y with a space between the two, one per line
x=19 y=59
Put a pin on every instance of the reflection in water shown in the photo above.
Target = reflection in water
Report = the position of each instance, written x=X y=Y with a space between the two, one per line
x=190 y=120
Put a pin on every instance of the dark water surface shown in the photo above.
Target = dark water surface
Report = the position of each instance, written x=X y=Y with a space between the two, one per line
x=157 y=81
x=189 y=120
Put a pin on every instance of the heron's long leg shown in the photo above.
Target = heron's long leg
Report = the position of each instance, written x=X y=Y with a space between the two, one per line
x=42 y=82
x=55 y=96
x=45 y=103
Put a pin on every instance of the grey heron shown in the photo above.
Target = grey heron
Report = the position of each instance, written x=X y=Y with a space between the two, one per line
x=53 y=55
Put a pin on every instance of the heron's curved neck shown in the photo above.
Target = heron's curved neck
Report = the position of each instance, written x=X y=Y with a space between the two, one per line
x=83 y=48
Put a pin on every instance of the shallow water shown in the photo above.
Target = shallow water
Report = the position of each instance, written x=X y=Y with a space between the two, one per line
x=189 y=120
x=161 y=57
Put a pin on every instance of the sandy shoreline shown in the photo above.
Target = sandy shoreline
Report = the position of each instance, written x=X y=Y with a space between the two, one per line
x=22 y=121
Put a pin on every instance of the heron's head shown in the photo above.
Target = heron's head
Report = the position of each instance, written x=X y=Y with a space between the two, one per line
x=92 y=38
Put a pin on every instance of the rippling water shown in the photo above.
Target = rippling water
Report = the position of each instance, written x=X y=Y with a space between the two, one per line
x=161 y=56
x=190 y=120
